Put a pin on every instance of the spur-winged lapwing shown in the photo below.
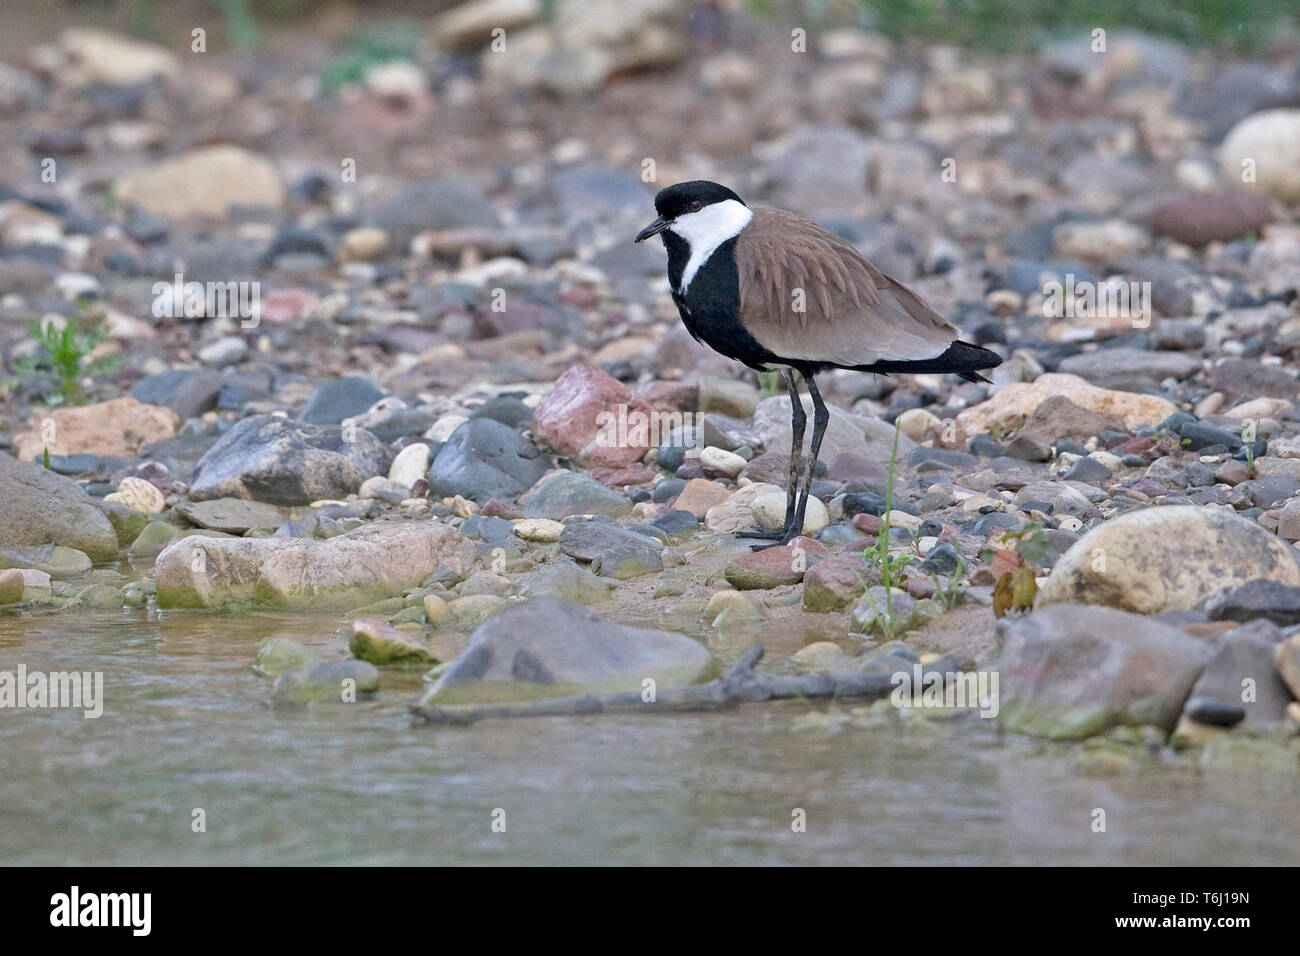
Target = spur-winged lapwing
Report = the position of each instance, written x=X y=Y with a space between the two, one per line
x=774 y=290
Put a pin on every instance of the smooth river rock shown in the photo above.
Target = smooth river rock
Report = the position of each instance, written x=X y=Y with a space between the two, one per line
x=1072 y=671
x=39 y=507
x=548 y=647
x=846 y=433
x=1012 y=406
x=1242 y=677
x=377 y=561
x=1167 y=559
x=485 y=459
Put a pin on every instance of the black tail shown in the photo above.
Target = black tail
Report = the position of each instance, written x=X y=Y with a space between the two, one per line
x=961 y=359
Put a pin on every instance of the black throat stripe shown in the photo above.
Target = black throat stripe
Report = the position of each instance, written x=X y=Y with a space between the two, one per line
x=710 y=308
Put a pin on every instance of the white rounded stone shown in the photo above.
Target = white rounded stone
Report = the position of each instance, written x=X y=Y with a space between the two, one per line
x=719 y=460
x=769 y=511
x=139 y=495
x=539 y=529
x=410 y=465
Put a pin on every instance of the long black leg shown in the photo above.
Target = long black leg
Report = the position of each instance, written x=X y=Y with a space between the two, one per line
x=798 y=419
x=821 y=418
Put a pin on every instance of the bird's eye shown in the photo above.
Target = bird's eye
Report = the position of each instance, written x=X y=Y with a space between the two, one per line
x=695 y=205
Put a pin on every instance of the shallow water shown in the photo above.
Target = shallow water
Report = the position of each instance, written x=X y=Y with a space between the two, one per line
x=186 y=725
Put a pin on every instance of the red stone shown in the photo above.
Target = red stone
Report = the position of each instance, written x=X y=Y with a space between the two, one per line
x=772 y=567
x=622 y=477
x=493 y=508
x=594 y=419
x=867 y=524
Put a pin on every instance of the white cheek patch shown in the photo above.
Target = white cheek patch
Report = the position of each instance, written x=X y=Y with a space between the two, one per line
x=706 y=230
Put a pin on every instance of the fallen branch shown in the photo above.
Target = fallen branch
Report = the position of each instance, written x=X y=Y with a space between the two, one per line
x=740 y=684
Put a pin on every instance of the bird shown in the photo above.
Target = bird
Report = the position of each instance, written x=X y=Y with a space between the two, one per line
x=775 y=291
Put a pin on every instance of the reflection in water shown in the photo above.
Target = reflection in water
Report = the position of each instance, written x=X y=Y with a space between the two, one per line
x=186 y=725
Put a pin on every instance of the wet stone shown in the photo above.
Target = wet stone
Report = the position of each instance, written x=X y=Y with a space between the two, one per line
x=549 y=647
x=275 y=655
x=328 y=681
x=569 y=493
x=339 y=399
x=1245 y=657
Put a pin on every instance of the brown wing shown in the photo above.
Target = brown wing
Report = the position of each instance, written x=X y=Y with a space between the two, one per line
x=852 y=313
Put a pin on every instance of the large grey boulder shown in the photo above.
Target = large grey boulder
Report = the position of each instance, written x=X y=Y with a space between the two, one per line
x=40 y=507
x=846 y=433
x=271 y=459
x=485 y=459
x=377 y=561
x=548 y=647
x=1070 y=671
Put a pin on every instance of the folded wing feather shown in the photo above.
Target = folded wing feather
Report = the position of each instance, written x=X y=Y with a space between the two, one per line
x=852 y=314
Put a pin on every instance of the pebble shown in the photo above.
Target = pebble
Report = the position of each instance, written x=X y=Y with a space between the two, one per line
x=769 y=512
x=723 y=462
x=139 y=495
x=344 y=681
x=543 y=530
x=410 y=465
x=382 y=644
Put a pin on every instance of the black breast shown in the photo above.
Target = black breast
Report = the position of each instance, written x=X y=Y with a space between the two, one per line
x=710 y=307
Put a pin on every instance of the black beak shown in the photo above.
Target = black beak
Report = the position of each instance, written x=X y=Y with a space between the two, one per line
x=656 y=227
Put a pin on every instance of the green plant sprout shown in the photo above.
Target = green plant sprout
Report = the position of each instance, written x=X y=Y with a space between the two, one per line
x=949 y=594
x=889 y=566
x=62 y=352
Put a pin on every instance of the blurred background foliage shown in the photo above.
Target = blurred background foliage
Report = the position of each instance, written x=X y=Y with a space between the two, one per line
x=998 y=25
x=1021 y=24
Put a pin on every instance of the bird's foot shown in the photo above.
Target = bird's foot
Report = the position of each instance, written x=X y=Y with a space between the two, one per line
x=779 y=538
x=756 y=533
